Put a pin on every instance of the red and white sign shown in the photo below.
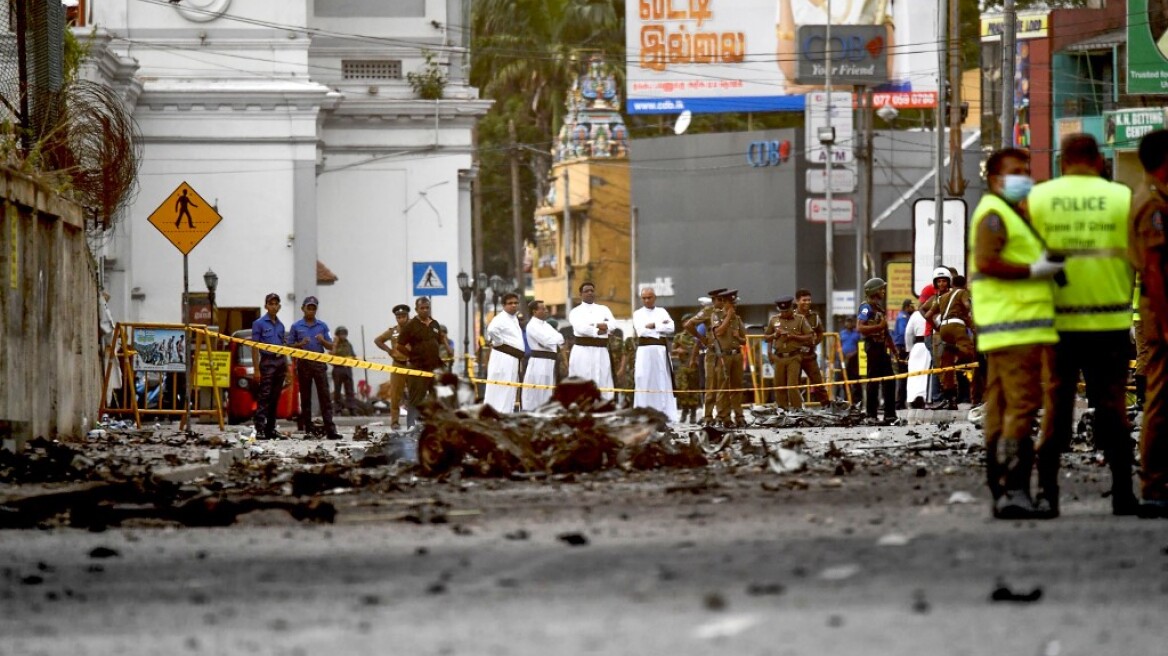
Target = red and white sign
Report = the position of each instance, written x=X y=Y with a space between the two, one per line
x=841 y=210
x=905 y=99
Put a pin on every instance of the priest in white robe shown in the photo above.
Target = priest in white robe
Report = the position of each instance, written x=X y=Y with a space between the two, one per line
x=544 y=341
x=652 y=373
x=506 y=340
x=919 y=358
x=591 y=324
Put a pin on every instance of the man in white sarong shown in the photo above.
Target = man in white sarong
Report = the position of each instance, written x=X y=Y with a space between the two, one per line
x=652 y=373
x=541 y=367
x=591 y=323
x=919 y=356
x=506 y=340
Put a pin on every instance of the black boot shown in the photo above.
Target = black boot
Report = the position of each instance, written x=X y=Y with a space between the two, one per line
x=1015 y=461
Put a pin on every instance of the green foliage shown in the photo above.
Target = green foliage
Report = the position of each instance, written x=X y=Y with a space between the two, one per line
x=430 y=83
x=76 y=51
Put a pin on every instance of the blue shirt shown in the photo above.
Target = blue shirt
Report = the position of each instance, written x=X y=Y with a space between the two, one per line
x=901 y=325
x=850 y=341
x=302 y=329
x=267 y=330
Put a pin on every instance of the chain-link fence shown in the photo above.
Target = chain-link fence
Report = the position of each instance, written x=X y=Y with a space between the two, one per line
x=32 y=34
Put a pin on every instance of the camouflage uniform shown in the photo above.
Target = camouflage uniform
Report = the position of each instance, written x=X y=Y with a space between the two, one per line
x=616 y=351
x=685 y=375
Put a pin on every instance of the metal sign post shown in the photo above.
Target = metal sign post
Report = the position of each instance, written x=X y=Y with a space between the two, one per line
x=184 y=218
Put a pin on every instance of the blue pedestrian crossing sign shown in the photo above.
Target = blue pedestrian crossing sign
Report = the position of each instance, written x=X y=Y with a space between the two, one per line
x=430 y=279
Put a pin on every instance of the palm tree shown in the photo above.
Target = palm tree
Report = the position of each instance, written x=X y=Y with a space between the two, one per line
x=525 y=56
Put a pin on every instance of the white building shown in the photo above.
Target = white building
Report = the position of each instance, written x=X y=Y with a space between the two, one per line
x=295 y=118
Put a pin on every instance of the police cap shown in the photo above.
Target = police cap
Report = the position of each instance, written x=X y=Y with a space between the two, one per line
x=728 y=293
x=311 y=300
x=401 y=308
x=784 y=302
x=715 y=293
x=271 y=297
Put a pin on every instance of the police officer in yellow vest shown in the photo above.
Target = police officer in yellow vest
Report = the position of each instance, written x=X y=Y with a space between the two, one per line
x=1014 y=312
x=1083 y=217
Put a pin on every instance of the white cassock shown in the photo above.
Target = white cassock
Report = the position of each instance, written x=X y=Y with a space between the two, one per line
x=503 y=330
x=542 y=338
x=654 y=385
x=591 y=362
x=919 y=357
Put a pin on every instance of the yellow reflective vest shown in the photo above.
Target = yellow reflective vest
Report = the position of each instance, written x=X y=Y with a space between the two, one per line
x=1084 y=217
x=1010 y=312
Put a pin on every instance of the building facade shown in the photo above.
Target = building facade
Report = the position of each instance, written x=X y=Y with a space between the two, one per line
x=297 y=121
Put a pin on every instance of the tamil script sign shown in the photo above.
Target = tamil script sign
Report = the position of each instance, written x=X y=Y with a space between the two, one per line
x=743 y=55
x=1147 y=47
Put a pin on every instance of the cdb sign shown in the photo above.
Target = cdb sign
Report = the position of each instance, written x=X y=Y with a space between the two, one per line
x=768 y=153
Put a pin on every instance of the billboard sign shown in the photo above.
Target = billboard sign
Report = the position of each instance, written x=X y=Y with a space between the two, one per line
x=1123 y=128
x=859 y=54
x=841 y=210
x=743 y=55
x=1147 y=46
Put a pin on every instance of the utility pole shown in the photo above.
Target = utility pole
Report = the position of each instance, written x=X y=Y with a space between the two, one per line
x=956 y=179
x=516 y=213
x=1010 y=18
x=939 y=122
x=829 y=268
x=566 y=240
x=864 y=222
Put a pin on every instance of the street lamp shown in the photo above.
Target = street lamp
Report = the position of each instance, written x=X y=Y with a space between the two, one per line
x=467 y=288
x=211 y=279
x=498 y=287
x=480 y=286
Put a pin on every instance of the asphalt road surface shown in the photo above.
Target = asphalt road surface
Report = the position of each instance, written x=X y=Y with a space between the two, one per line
x=888 y=549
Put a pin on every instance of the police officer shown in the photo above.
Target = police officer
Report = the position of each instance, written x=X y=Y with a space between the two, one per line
x=730 y=334
x=1148 y=251
x=808 y=360
x=388 y=342
x=873 y=325
x=1083 y=217
x=789 y=335
x=1014 y=314
x=312 y=335
x=272 y=368
x=711 y=364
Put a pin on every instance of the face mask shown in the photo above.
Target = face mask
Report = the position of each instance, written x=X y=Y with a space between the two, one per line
x=1015 y=188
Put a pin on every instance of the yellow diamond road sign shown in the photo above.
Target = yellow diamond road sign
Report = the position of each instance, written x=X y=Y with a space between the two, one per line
x=185 y=218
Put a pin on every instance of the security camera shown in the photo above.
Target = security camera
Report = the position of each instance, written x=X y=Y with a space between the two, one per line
x=887 y=113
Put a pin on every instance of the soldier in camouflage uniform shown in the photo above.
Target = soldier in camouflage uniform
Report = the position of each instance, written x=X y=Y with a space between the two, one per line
x=685 y=374
x=616 y=353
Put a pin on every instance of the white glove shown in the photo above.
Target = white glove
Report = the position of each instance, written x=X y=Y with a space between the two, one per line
x=1045 y=268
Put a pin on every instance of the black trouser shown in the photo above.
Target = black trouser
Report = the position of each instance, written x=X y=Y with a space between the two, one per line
x=852 y=369
x=418 y=388
x=1102 y=359
x=308 y=375
x=879 y=365
x=343 y=380
x=272 y=372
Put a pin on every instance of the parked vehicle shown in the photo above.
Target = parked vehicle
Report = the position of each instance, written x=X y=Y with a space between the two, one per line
x=241 y=402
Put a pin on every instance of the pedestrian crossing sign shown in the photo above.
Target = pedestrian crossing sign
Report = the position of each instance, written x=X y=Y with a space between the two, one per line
x=430 y=279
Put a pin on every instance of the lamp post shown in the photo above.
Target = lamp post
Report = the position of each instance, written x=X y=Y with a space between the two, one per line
x=498 y=287
x=211 y=279
x=467 y=288
x=481 y=284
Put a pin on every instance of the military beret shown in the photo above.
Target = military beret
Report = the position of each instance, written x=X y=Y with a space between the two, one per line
x=401 y=308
